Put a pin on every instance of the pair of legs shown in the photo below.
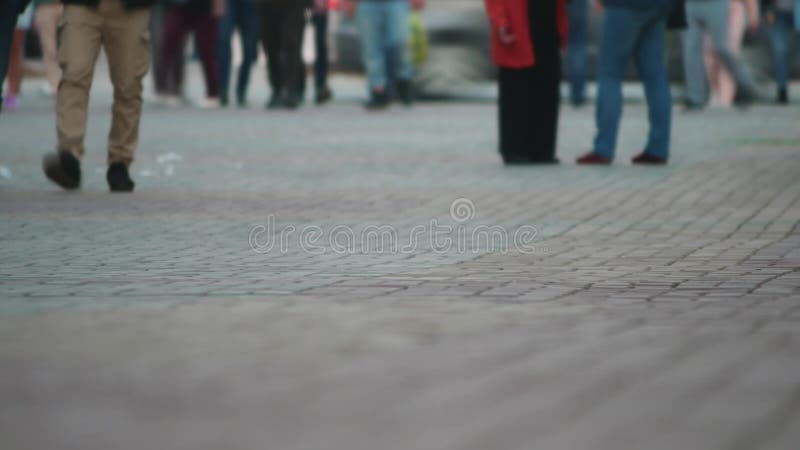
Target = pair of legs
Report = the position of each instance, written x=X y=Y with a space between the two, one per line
x=9 y=12
x=782 y=33
x=124 y=36
x=48 y=15
x=710 y=16
x=723 y=86
x=577 y=50
x=384 y=29
x=281 y=26
x=639 y=34
x=180 y=20
x=241 y=15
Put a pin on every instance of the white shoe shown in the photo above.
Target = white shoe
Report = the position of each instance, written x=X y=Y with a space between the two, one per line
x=209 y=103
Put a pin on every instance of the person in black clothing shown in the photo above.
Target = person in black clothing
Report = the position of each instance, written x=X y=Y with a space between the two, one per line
x=281 y=26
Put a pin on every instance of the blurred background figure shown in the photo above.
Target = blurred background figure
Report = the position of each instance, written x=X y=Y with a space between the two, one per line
x=527 y=48
x=742 y=14
x=577 y=51
x=633 y=28
x=48 y=16
x=712 y=16
x=384 y=26
x=9 y=14
x=16 y=57
x=319 y=20
x=783 y=17
x=239 y=15
x=281 y=26
x=202 y=18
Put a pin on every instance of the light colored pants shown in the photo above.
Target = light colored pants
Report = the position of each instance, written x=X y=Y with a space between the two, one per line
x=710 y=16
x=47 y=19
x=124 y=35
x=723 y=86
x=384 y=28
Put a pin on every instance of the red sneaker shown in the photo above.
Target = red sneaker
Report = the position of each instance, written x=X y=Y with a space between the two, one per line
x=593 y=159
x=644 y=158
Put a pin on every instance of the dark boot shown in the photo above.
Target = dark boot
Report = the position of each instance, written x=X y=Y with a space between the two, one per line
x=118 y=178
x=405 y=92
x=377 y=101
x=783 y=96
x=275 y=101
x=324 y=95
x=63 y=169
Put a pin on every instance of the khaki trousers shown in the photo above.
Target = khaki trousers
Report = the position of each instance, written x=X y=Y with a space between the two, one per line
x=124 y=35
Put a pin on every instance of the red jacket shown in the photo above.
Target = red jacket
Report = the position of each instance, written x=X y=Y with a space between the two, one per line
x=513 y=15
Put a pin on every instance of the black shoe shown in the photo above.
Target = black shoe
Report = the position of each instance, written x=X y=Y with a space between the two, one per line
x=118 y=178
x=324 y=95
x=63 y=169
x=691 y=106
x=745 y=98
x=377 y=101
x=783 y=96
x=275 y=102
x=292 y=100
x=223 y=101
x=405 y=92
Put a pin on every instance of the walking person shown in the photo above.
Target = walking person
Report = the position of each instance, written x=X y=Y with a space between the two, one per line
x=120 y=27
x=577 y=50
x=712 y=16
x=202 y=18
x=239 y=15
x=632 y=29
x=281 y=26
x=48 y=16
x=17 y=56
x=743 y=14
x=319 y=20
x=384 y=26
x=527 y=36
x=9 y=14
x=783 y=17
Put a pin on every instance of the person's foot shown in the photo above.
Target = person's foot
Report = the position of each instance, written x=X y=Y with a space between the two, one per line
x=223 y=101
x=324 y=95
x=646 y=159
x=63 y=169
x=378 y=100
x=405 y=92
x=10 y=103
x=593 y=158
x=209 y=103
x=783 y=96
x=690 y=106
x=746 y=97
x=241 y=100
x=119 y=180
x=275 y=101
x=292 y=100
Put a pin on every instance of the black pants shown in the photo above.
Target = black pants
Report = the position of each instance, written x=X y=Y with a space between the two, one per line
x=281 y=28
x=530 y=97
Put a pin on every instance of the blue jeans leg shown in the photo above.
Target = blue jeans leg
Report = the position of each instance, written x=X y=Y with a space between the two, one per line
x=371 y=23
x=226 y=28
x=247 y=21
x=396 y=40
x=781 y=34
x=649 y=57
x=577 y=54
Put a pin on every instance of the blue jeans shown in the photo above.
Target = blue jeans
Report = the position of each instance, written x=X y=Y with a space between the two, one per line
x=577 y=54
x=639 y=34
x=782 y=33
x=239 y=14
x=384 y=28
x=9 y=12
x=320 y=22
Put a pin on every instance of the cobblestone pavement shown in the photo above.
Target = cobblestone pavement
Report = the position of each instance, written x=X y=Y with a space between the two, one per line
x=656 y=308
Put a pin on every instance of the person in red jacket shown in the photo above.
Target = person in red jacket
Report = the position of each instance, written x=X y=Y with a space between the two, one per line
x=527 y=36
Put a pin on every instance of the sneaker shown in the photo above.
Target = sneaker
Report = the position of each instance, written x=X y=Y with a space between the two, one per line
x=593 y=158
x=405 y=92
x=783 y=96
x=63 y=169
x=324 y=95
x=689 y=106
x=275 y=101
x=118 y=178
x=746 y=97
x=646 y=159
x=241 y=100
x=293 y=100
x=377 y=101
x=209 y=103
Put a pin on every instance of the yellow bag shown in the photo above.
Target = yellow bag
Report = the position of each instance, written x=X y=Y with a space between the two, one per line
x=418 y=43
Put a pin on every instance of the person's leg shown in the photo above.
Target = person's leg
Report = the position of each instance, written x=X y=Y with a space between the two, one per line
x=227 y=25
x=81 y=39
x=694 y=71
x=171 y=57
x=781 y=34
x=369 y=19
x=126 y=43
x=9 y=11
x=649 y=57
x=514 y=107
x=716 y=17
x=397 y=33
x=271 y=41
x=292 y=30
x=737 y=26
x=158 y=14
x=320 y=21
x=15 y=62
x=620 y=31
x=47 y=19
x=247 y=21
x=577 y=54
x=713 y=66
x=205 y=31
